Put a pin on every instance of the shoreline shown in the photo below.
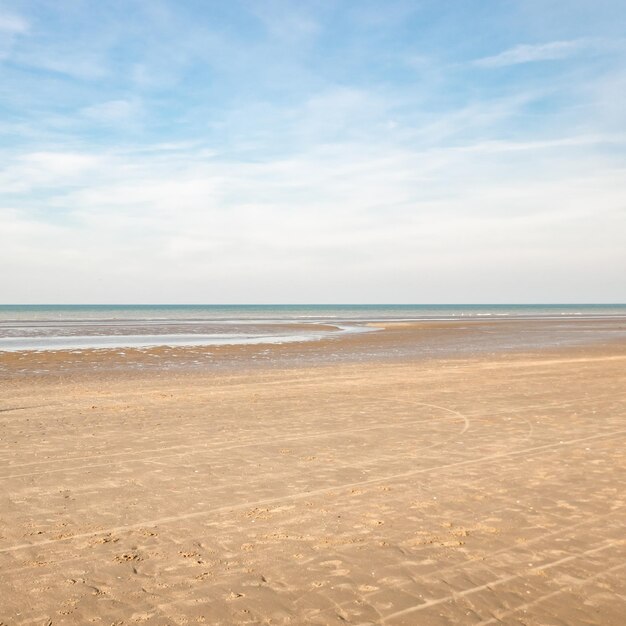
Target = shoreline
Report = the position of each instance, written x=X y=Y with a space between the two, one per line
x=390 y=342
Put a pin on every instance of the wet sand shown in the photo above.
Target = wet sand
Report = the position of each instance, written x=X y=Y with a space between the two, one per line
x=376 y=479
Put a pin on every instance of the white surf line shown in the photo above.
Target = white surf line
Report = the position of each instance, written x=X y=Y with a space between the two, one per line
x=220 y=446
x=309 y=494
x=578 y=583
x=453 y=597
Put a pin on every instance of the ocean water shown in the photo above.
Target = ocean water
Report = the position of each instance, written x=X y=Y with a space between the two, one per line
x=64 y=327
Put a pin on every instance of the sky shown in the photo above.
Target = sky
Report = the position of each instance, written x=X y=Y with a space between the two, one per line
x=312 y=151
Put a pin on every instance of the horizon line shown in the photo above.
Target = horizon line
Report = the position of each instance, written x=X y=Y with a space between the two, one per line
x=318 y=304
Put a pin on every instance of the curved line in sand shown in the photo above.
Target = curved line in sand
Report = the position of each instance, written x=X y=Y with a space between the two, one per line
x=255 y=442
x=455 y=414
x=549 y=405
x=241 y=445
x=251 y=442
x=458 y=414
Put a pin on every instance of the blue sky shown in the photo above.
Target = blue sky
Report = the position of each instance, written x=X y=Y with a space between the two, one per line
x=320 y=151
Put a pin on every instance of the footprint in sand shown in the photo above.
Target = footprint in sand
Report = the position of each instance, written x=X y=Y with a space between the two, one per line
x=234 y=595
x=127 y=557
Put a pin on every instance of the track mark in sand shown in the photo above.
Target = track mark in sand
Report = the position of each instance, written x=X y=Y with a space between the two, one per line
x=466 y=420
x=91 y=456
x=312 y=493
x=522 y=607
x=563 y=531
x=221 y=446
x=23 y=408
x=534 y=363
x=462 y=417
x=510 y=549
x=496 y=583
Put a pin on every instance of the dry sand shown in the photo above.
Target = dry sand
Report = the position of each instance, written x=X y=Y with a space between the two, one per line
x=475 y=489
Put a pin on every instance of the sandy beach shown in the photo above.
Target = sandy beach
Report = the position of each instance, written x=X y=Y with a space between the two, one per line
x=382 y=478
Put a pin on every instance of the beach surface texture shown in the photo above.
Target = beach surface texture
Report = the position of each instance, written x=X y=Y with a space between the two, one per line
x=444 y=473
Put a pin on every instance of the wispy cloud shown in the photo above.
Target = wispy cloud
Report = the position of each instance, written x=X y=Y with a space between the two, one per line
x=12 y=23
x=85 y=68
x=529 y=53
x=41 y=170
x=224 y=151
x=342 y=211
x=122 y=111
x=11 y=27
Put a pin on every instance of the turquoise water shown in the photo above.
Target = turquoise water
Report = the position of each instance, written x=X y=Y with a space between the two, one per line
x=285 y=312
x=46 y=327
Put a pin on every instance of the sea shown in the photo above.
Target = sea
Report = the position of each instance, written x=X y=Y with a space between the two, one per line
x=75 y=327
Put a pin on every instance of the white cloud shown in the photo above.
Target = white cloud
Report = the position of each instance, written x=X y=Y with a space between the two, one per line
x=529 y=53
x=323 y=187
x=87 y=67
x=547 y=144
x=13 y=24
x=210 y=229
x=286 y=23
x=11 y=27
x=112 y=111
x=31 y=171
